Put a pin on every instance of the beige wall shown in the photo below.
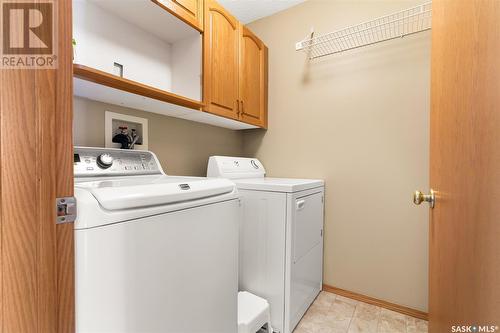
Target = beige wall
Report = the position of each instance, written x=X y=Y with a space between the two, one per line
x=182 y=146
x=359 y=120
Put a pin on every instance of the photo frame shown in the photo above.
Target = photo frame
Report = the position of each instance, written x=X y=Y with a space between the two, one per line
x=114 y=121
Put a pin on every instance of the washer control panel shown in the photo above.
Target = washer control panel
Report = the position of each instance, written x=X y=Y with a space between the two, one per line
x=93 y=162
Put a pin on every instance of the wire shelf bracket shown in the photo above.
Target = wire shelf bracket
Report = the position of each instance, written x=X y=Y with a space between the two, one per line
x=396 y=25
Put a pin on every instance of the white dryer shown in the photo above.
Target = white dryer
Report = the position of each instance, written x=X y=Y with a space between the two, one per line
x=281 y=237
x=154 y=253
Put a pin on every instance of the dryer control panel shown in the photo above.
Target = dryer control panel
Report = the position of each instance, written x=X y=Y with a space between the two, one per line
x=95 y=162
x=235 y=167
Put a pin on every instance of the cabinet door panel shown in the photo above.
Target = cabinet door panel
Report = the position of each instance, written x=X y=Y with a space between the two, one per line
x=220 y=62
x=190 y=6
x=190 y=11
x=253 y=79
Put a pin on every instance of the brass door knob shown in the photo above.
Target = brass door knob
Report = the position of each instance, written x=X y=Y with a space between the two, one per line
x=419 y=197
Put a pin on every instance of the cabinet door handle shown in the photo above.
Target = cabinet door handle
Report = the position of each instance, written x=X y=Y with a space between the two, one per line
x=242 y=106
x=238 y=107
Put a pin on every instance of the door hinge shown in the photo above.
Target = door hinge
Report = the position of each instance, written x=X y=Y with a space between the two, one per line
x=65 y=210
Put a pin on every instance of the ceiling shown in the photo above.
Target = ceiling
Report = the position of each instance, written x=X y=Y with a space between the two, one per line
x=250 y=10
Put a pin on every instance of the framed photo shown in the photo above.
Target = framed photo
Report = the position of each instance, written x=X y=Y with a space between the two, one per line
x=128 y=130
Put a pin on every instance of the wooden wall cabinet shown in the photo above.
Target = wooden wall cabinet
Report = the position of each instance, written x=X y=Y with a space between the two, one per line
x=253 y=79
x=137 y=53
x=190 y=11
x=234 y=68
x=220 y=61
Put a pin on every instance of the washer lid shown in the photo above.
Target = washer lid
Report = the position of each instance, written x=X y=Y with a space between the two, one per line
x=137 y=192
x=288 y=185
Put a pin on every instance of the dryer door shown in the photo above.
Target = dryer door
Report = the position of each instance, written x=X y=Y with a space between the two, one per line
x=308 y=224
x=306 y=253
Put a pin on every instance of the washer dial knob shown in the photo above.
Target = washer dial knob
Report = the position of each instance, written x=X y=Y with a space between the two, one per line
x=104 y=161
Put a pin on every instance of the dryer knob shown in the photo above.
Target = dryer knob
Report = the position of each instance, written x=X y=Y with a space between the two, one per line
x=104 y=161
x=254 y=164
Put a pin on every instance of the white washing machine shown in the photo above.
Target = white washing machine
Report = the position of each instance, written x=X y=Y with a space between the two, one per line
x=281 y=237
x=154 y=253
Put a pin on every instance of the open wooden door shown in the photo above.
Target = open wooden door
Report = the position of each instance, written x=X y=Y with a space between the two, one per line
x=465 y=166
x=36 y=166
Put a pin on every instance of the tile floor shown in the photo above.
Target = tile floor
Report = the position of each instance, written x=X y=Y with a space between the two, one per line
x=332 y=313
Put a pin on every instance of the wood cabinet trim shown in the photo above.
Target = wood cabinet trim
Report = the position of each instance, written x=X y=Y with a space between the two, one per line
x=212 y=5
x=182 y=13
x=178 y=3
x=261 y=121
x=229 y=18
x=248 y=33
x=210 y=105
x=113 y=81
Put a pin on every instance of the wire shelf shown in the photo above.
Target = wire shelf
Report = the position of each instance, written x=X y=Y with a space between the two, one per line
x=396 y=25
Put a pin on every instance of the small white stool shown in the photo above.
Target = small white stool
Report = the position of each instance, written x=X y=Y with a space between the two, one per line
x=253 y=313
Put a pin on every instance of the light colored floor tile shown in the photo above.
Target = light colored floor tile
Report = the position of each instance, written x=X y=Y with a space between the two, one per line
x=391 y=322
x=332 y=313
x=338 y=318
x=325 y=298
x=347 y=300
x=313 y=318
x=414 y=325
x=365 y=319
x=359 y=325
x=319 y=309
x=300 y=328
x=367 y=312
x=334 y=325
x=341 y=310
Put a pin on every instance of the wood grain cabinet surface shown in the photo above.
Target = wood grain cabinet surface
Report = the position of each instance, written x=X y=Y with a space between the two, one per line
x=190 y=11
x=235 y=68
x=220 y=68
x=253 y=79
